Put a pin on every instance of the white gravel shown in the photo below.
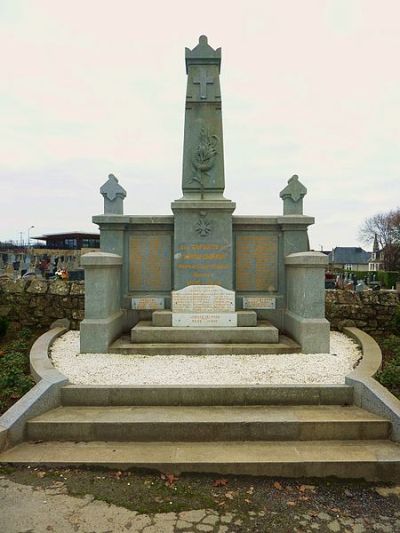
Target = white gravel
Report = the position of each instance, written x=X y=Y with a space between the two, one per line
x=117 y=369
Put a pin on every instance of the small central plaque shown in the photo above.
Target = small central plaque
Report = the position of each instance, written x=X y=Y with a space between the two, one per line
x=203 y=299
x=204 y=320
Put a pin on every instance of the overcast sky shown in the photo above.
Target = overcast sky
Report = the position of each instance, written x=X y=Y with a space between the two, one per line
x=91 y=87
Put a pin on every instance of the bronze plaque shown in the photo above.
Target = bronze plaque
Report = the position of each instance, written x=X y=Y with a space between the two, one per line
x=256 y=261
x=150 y=262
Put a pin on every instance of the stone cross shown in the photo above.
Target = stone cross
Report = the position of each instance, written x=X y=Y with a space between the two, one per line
x=292 y=196
x=203 y=81
x=113 y=195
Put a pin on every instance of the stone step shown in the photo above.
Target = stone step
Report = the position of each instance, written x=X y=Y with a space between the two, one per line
x=124 y=345
x=206 y=395
x=244 y=318
x=371 y=460
x=207 y=423
x=263 y=333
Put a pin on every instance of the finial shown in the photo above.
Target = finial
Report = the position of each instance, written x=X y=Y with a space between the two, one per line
x=292 y=196
x=113 y=195
x=203 y=54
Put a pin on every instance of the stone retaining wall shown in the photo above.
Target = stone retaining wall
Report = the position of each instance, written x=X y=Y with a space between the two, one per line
x=370 y=311
x=37 y=303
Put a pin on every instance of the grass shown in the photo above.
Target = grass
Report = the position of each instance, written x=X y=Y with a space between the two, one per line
x=15 y=378
x=389 y=376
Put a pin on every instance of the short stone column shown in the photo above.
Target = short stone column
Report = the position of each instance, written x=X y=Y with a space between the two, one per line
x=305 y=310
x=103 y=315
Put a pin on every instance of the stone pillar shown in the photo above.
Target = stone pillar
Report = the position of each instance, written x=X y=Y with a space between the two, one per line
x=203 y=151
x=305 y=308
x=203 y=248
x=103 y=316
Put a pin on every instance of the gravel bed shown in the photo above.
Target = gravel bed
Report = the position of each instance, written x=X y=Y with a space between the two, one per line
x=117 y=369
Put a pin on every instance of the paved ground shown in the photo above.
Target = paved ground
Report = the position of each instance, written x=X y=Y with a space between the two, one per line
x=36 y=501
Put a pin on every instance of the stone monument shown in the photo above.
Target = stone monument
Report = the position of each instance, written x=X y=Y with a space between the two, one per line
x=203 y=280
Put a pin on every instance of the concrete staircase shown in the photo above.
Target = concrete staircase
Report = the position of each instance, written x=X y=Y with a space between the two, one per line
x=249 y=336
x=264 y=430
x=149 y=337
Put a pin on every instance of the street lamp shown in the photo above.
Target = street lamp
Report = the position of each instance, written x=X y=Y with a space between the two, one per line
x=29 y=237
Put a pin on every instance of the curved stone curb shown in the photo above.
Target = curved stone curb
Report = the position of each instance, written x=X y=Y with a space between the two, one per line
x=43 y=396
x=372 y=355
x=368 y=393
x=40 y=363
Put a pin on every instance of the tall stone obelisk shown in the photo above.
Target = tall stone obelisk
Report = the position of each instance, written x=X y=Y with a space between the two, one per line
x=203 y=217
x=203 y=150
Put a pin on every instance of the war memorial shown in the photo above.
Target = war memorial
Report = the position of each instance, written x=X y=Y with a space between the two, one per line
x=202 y=280
x=205 y=282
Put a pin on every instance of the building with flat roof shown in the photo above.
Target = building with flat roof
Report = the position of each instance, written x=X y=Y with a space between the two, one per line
x=75 y=240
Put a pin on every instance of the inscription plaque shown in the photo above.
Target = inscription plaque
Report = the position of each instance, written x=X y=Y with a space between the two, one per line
x=203 y=320
x=256 y=261
x=147 y=302
x=203 y=299
x=203 y=263
x=259 y=302
x=150 y=262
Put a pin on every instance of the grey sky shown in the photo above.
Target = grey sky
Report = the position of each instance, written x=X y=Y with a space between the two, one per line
x=91 y=87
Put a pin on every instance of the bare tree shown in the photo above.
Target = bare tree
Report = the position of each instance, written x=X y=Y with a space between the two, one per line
x=386 y=227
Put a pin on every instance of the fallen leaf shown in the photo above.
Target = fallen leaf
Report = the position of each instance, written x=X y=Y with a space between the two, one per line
x=170 y=479
x=220 y=482
x=387 y=491
x=277 y=485
x=292 y=504
x=41 y=474
x=229 y=495
x=250 y=491
x=303 y=488
x=247 y=501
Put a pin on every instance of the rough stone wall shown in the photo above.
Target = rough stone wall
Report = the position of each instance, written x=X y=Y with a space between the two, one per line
x=370 y=311
x=37 y=303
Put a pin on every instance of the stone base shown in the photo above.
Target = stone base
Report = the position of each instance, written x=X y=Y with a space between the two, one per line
x=263 y=333
x=124 y=345
x=244 y=318
x=311 y=333
x=97 y=334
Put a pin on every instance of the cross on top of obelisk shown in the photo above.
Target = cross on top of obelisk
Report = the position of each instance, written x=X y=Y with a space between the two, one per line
x=203 y=80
